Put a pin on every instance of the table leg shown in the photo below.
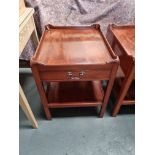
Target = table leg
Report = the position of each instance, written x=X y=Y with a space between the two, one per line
x=41 y=92
x=26 y=108
x=108 y=90
x=125 y=86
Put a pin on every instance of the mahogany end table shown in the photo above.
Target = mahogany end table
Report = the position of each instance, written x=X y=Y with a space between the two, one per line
x=122 y=41
x=68 y=67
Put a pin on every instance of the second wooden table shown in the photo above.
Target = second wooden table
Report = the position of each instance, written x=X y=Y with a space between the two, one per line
x=122 y=40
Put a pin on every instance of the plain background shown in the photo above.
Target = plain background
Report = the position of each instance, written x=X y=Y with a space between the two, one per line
x=145 y=77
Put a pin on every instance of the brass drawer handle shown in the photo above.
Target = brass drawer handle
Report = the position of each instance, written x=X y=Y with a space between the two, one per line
x=72 y=77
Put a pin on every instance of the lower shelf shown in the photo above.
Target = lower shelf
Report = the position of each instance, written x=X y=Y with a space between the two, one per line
x=74 y=94
x=128 y=102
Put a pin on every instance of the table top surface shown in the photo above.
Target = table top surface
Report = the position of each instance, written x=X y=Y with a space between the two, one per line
x=126 y=37
x=72 y=46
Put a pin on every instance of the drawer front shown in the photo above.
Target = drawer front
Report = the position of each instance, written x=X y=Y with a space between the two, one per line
x=70 y=75
x=25 y=33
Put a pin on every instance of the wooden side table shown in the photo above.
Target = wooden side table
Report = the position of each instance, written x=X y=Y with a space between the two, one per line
x=71 y=62
x=122 y=40
x=26 y=30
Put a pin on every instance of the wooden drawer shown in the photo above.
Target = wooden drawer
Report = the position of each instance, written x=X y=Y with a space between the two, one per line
x=74 y=75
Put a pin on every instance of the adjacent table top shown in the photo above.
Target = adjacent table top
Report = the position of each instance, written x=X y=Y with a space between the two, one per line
x=61 y=46
x=125 y=35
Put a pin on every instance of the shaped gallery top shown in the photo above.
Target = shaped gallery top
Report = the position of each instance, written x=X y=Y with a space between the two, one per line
x=125 y=35
x=74 y=45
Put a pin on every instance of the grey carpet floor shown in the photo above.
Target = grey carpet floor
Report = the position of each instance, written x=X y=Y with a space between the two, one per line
x=75 y=131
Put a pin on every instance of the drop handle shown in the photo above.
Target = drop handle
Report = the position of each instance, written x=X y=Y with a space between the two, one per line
x=73 y=77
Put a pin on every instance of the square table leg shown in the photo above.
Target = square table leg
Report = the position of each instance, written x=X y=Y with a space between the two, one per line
x=108 y=90
x=26 y=108
x=42 y=93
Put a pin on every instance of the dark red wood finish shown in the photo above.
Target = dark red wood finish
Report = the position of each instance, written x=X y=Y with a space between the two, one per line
x=122 y=41
x=72 y=61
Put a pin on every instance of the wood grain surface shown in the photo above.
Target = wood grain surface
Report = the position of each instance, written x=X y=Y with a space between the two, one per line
x=77 y=57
